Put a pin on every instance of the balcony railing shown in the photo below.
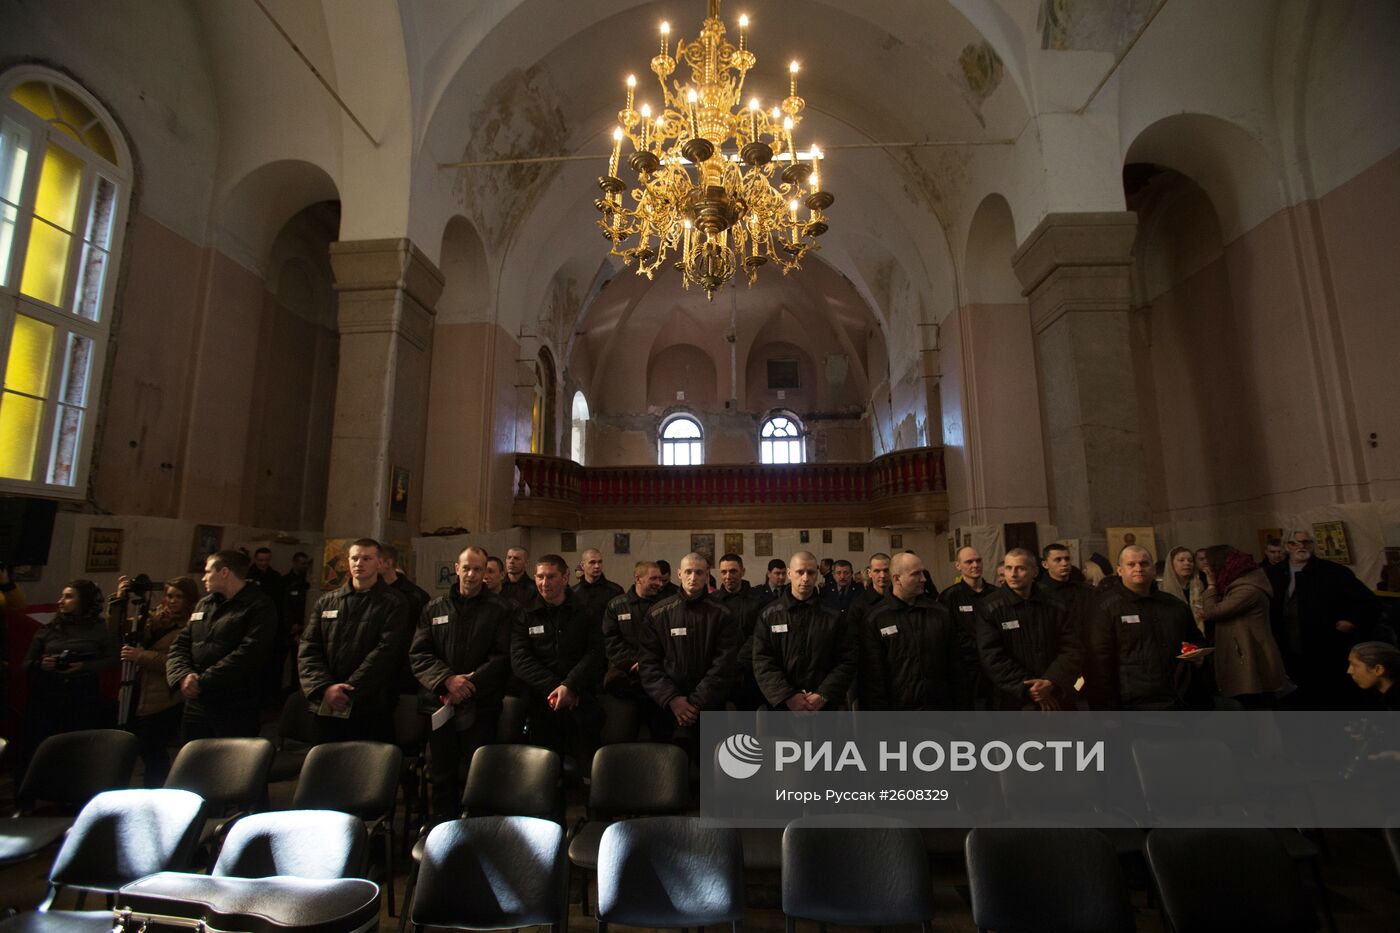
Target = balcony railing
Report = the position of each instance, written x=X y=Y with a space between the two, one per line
x=903 y=488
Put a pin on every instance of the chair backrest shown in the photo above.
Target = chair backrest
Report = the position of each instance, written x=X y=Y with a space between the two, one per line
x=227 y=773
x=1047 y=880
x=670 y=871
x=514 y=780
x=122 y=835
x=1228 y=879
x=1185 y=777
x=862 y=873
x=317 y=844
x=72 y=767
x=296 y=721
x=492 y=872
x=359 y=778
x=410 y=724
x=639 y=779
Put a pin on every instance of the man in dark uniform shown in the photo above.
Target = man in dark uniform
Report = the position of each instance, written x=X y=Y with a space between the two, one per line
x=461 y=658
x=1136 y=632
x=744 y=603
x=961 y=600
x=687 y=655
x=913 y=655
x=417 y=596
x=557 y=650
x=668 y=587
x=216 y=661
x=624 y=699
x=877 y=572
x=354 y=651
x=774 y=582
x=839 y=593
x=1076 y=597
x=1026 y=644
x=494 y=576
x=804 y=656
x=520 y=582
x=595 y=590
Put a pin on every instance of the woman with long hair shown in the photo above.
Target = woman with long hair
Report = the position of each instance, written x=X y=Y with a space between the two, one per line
x=62 y=663
x=156 y=720
x=1248 y=665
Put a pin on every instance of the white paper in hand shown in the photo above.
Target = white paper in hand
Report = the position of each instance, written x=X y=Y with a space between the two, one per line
x=443 y=715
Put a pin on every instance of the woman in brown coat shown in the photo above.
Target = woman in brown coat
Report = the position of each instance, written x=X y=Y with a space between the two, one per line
x=158 y=708
x=1248 y=664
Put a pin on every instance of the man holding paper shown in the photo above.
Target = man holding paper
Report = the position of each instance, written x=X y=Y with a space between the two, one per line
x=461 y=659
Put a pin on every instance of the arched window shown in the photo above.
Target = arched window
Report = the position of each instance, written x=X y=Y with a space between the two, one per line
x=542 y=439
x=682 y=441
x=781 y=439
x=65 y=178
x=579 y=434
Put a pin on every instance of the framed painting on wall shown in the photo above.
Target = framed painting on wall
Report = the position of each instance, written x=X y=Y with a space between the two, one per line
x=1119 y=538
x=104 y=550
x=398 y=494
x=704 y=545
x=734 y=542
x=335 y=563
x=855 y=542
x=763 y=544
x=568 y=542
x=622 y=542
x=897 y=541
x=1331 y=541
x=804 y=537
x=826 y=536
x=207 y=540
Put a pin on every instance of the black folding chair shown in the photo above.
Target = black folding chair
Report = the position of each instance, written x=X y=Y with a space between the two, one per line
x=670 y=871
x=316 y=844
x=295 y=736
x=230 y=774
x=855 y=874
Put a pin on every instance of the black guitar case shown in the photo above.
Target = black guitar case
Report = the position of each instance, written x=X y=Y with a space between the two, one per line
x=171 y=901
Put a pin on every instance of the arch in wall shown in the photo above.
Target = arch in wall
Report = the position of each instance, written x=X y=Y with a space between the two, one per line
x=578 y=435
x=466 y=293
x=682 y=368
x=1232 y=167
x=261 y=203
x=542 y=439
x=988 y=276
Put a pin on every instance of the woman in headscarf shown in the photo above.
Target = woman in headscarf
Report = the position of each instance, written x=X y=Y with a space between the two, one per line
x=1248 y=665
x=158 y=708
x=63 y=661
x=1180 y=579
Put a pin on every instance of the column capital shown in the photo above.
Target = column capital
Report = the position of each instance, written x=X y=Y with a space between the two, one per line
x=1077 y=262
x=386 y=285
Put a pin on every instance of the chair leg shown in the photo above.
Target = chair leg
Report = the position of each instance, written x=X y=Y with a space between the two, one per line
x=789 y=925
x=602 y=926
x=389 y=862
x=408 y=897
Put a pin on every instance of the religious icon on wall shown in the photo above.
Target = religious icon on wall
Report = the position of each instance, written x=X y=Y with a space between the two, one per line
x=622 y=542
x=445 y=576
x=568 y=542
x=826 y=536
x=104 y=551
x=763 y=544
x=207 y=540
x=855 y=542
x=704 y=545
x=898 y=541
x=398 y=494
x=1119 y=538
x=804 y=537
x=335 y=563
x=1330 y=539
x=733 y=542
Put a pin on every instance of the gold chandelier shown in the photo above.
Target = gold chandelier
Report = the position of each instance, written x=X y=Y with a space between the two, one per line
x=705 y=167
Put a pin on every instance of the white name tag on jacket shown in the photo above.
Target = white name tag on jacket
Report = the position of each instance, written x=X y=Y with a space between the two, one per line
x=890 y=630
x=965 y=608
x=537 y=630
x=779 y=629
x=330 y=613
x=1132 y=620
x=1011 y=624
x=441 y=620
x=624 y=617
x=197 y=616
x=677 y=632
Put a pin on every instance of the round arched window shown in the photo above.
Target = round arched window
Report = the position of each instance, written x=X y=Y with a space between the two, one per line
x=682 y=441
x=781 y=440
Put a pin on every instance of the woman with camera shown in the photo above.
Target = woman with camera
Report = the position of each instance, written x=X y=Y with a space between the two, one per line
x=156 y=717
x=63 y=661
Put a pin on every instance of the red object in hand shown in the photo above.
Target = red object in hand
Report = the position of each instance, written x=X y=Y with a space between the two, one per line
x=1187 y=647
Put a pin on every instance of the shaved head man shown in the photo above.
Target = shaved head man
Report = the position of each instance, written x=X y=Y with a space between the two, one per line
x=744 y=603
x=804 y=655
x=913 y=655
x=595 y=591
x=1026 y=643
x=625 y=702
x=519 y=584
x=961 y=600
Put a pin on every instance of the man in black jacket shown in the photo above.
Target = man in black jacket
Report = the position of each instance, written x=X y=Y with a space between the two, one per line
x=1076 y=597
x=687 y=656
x=217 y=660
x=557 y=650
x=389 y=569
x=625 y=701
x=775 y=582
x=804 y=656
x=1136 y=633
x=1319 y=611
x=744 y=603
x=1025 y=643
x=595 y=591
x=520 y=582
x=877 y=571
x=354 y=651
x=913 y=655
x=961 y=600
x=842 y=589
x=461 y=658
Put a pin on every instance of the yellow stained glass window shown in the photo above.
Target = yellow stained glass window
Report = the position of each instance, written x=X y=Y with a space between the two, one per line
x=31 y=356
x=19 y=435
x=67 y=113
x=45 y=263
x=59 y=182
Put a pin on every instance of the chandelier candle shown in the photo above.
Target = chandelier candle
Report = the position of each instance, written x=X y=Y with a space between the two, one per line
x=711 y=184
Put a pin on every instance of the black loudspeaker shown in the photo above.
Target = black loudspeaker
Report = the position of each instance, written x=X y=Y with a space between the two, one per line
x=26 y=530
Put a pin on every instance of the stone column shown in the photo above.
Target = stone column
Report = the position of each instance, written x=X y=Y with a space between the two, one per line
x=387 y=292
x=1076 y=270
